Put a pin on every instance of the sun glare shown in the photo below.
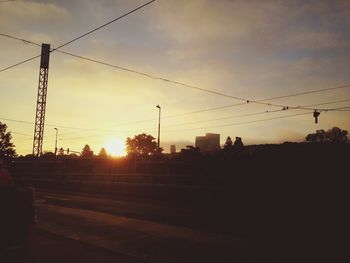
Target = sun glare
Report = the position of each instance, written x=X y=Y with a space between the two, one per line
x=115 y=147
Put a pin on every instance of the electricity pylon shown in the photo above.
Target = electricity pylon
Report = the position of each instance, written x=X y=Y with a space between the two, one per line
x=41 y=100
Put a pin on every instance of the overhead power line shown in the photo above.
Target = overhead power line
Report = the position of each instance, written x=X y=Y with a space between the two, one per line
x=214 y=92
x=26 y=41
x=188 y=113
x=179 y=83
x=224 y=125
x=263 y=112
x=254 y=121
x=211 y=91
x=140 y=121
x=263 y=101
x=224 y=118
x=306 y=92
x=240 y=123
x=189 y=123
x=207 y=127
x=20 y=63
x=240 y=104
x=218 y=126
x=102 y=26
x=81 y=36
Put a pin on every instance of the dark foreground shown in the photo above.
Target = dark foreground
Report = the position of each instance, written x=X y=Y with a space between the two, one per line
x=98 y=229
x=277 y=204
x=91 y=228
x=44 y=246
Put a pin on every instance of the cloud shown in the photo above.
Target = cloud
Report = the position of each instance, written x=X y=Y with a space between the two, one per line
x=31 y=12
x=240 y=25
x=196 y=21
x=315 y=40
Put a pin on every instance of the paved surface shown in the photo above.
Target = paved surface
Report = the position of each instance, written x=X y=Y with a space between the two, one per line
x=46 y=247
x=128 y=228
x=93 y=228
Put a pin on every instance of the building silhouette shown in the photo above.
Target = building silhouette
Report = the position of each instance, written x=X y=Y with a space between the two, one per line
x=172 y=149
x=208 y=143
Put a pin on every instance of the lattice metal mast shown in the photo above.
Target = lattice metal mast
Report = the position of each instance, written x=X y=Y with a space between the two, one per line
x=41 y=100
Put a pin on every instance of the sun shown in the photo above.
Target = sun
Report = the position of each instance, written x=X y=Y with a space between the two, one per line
x=115 y=147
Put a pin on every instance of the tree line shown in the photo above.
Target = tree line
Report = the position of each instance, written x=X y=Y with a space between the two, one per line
x=143 y=145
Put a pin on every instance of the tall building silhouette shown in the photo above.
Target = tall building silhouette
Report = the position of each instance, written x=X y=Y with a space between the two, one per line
x=208 y=143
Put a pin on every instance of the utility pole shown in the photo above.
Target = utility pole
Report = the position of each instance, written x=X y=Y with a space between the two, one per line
x=56 y=141
x=158 y=141
x=41 y=100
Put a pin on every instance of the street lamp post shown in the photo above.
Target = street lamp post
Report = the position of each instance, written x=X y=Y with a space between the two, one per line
x=158 y=140
x=56 y=141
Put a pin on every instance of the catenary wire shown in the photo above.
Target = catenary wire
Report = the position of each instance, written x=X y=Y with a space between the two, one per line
x=239 y=123
x=102 y=26
x=263 y=112
x=79 y=37
x=263 y=102
x=236 y=116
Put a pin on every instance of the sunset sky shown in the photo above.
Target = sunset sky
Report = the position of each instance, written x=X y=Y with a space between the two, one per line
x=248 y=49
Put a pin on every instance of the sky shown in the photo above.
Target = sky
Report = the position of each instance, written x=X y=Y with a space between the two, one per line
x=252 y=50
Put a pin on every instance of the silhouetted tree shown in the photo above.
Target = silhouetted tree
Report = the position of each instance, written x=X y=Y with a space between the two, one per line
x=238 y=144
x=73 y=155
x=61 y=152
x=190 y=151
x=337 y=135
x=86 y=152
x=103 y=153
x=334 y=135
x=6 y=146
x=228 y=144
x=141 y=145
x=318 y=136
x=48 y=155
